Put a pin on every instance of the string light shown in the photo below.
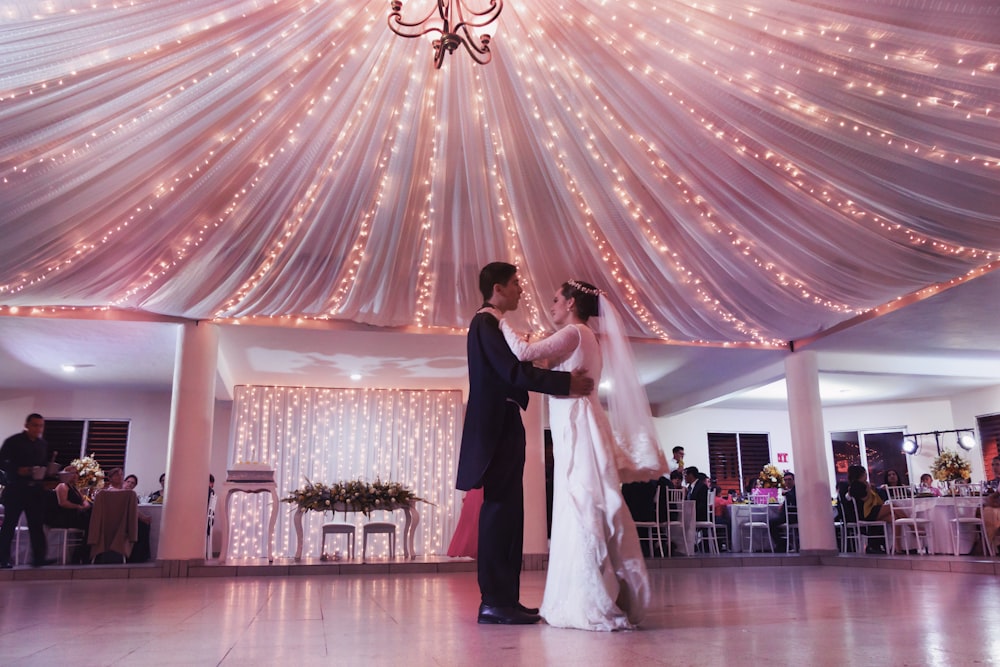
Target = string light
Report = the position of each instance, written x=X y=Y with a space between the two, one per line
x=329 y=435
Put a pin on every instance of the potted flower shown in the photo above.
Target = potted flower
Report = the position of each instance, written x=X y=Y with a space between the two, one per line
x=770 y=481
x=951 y=468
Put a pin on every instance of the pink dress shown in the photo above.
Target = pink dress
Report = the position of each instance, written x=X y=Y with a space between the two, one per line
x=465 y=541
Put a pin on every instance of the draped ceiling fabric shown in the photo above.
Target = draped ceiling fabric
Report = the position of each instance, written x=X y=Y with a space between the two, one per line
x=731 y=172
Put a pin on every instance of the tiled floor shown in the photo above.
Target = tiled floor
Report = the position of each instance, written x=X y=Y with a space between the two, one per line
x=713 y=615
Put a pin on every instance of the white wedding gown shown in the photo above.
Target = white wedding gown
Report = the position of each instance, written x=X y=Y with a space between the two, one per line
x=597 y=576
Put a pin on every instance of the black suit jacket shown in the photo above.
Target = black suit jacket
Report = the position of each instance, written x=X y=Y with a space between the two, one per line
x=495 y=375
x=698 y=492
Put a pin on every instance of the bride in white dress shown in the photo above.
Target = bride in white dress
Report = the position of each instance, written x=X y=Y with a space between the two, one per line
x=597 y=576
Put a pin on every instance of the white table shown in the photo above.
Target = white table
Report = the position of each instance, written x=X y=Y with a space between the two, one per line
x=739 y=514
x=411 y=518
x=155 y=513
x=229 y=488
x=942 y=510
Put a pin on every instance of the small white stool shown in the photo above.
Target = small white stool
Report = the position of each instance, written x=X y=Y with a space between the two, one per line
x=338 y=528
x=378 y=527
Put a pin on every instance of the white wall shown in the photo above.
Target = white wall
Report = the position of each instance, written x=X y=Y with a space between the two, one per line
x=149 y=413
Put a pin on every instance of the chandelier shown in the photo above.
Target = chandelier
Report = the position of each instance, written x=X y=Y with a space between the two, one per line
x=454 y=27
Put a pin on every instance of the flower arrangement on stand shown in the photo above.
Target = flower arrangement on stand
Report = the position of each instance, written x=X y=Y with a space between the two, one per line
x=950 y=467
x=90 y=476
x=354 y=495
x=771 y=478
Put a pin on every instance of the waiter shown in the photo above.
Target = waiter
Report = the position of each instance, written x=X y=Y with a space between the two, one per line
x=24 y=458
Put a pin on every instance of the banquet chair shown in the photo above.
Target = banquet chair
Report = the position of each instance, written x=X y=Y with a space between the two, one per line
x=909 y=513
x=649 y=531
x=334 y=527
x=791 y=528
x=114 y=526
x=213 y=499
x=20 y=552
x=387 y=528
x=673 y=521
x=707 y=531
x=757 y=521
x=968 y=511
x=859 y=531
x=66 y=538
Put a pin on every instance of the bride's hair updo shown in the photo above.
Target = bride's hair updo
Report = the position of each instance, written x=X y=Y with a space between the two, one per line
x=585 y=296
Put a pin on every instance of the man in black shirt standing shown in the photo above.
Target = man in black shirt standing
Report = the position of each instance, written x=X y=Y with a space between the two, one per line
x=24 y=457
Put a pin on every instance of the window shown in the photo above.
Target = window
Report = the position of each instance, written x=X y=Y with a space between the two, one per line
x=876 y=451
x=105 y=440
x=734 y=459
x=989 y=438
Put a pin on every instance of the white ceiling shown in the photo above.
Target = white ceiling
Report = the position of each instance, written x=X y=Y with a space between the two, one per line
x=941 y=346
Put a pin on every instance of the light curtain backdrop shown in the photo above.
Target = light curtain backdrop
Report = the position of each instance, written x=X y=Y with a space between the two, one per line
x=330 y=435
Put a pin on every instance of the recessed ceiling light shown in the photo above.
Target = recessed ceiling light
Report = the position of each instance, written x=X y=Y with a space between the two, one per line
x=72 y=368
x=355 y=376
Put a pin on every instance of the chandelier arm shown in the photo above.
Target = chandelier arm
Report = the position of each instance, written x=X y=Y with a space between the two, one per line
x=469 y=42
x=397 y=14
x=454 y=28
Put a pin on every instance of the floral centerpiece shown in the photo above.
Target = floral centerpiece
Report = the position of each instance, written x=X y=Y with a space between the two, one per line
x=771 y=478
x=355 y=496
x=90 y=476
x=950 y=467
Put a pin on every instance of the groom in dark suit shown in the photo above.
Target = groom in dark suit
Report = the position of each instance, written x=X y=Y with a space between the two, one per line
x=493 y=443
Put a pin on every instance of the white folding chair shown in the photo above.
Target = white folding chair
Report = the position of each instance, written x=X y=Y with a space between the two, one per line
x=334 y=527
x=757 y=521
x=791 y=528
x=673 y=521
x=707 y=531
x=860 y=530
x=21 y=551
x=649 y=531
x=909 y=513
x=212 y=502
x=967 y=511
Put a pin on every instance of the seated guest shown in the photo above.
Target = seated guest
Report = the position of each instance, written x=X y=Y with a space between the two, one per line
x=640 y=498
x=927 y=485
x=131 y=481
x=71 y=509
x=722 y=503
x=140 y=550
x=157 y=496
x=889 y=478
x=697 y=491
x=114 y=480
x=991 y=507
x=873 y=507
x=776 y=522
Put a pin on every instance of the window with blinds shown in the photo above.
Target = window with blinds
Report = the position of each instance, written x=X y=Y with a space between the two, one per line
x=105 y=440
x=734 y=459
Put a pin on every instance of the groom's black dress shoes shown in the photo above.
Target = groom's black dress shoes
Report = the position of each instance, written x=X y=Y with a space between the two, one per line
x=526 y=610
x=488 y=614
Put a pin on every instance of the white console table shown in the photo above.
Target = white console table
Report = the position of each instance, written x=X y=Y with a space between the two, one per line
x=231 y=487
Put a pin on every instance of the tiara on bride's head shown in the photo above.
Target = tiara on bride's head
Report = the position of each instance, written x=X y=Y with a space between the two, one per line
x=580 y=287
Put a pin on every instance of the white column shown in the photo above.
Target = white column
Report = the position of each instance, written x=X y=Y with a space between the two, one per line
x=812 y=477
x=189 y=445
x=535 y=535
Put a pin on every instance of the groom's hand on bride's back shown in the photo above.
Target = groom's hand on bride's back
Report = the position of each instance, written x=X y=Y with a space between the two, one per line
x=580 y=384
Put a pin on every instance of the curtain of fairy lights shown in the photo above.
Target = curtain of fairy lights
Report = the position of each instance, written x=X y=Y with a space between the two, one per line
x=330 y=435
